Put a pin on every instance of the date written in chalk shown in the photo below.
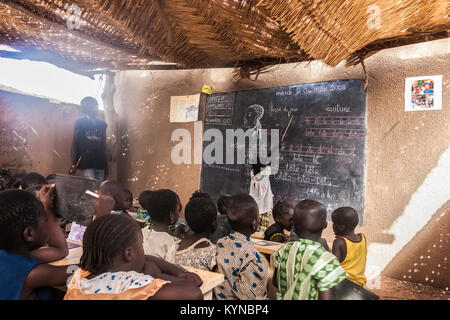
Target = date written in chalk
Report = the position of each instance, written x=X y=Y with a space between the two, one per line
x=248 y=309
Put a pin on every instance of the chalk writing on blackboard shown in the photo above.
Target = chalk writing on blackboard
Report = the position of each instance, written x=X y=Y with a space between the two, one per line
x=321 y=156
x=219 y=109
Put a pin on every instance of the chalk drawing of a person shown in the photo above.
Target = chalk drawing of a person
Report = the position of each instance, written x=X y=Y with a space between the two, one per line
x=252 y=117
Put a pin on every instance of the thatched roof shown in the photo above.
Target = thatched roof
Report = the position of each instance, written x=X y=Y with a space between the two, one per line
x=251 y=34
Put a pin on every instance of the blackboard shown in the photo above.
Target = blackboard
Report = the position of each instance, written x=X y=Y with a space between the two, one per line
x=322 y=154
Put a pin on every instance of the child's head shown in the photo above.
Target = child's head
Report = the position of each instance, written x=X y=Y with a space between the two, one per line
x=199 y=194
x=112 y=241
x=222 y=204
x=50 y=178
x=31 y=179
x=35 y=190
x=144 y=197
x=6 y=179
x=128 y=198
x=283 y=213
x=242 y=213
x=345 y=220
x=201 y=216
x=165 y=206
x=17 y=179
x=310 y=216
x=89 y=106
x=115 y=190
x=23 y=222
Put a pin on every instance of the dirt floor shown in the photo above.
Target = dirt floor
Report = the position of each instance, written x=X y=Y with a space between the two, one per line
x=392 y=289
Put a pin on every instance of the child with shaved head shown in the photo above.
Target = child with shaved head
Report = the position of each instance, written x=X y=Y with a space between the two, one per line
x=304 y=269
x=246 y=273
x=349 y=247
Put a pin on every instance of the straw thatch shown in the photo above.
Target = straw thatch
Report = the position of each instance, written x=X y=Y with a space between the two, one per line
x=249 y=34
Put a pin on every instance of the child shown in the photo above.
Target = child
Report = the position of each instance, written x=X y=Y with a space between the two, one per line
x=144 y=197
x=312 y=271
x=6 y=180
x=103 y=206
x=128 y=200
x=223 y=226
x=283 y=214
x=164 y=209
x=89 y=142
x=195 y=250
x=24 y=229
x=246 y=273
x=199 y=194
x=56 y=246
x=31 y=179
x=115 y=190
x=114 y=267
x=50 y=179
x=349 y=248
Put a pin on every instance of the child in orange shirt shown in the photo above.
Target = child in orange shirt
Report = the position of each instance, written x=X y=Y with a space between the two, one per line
x=114 y=267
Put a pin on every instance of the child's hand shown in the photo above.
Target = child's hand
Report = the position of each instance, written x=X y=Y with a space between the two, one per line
x=192 y=277
x=46 y=196
x=72 y=170
x=103 y=205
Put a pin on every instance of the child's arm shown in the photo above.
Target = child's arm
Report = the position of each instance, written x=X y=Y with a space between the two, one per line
x=171 y=272
x=274 y=278
x=57 y=246
x=339 y=249
x=45 y=275
x=325 y=244
x=178 y=291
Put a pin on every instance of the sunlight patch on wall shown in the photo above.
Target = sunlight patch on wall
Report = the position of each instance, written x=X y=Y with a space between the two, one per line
x=429 y=197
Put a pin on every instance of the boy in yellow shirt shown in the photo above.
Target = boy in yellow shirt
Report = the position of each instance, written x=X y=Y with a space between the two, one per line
x=350 y=248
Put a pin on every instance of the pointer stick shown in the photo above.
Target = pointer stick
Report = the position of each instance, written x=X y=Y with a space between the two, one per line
x=282 y=138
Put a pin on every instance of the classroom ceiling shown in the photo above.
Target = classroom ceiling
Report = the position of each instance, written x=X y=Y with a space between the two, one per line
x=250 y=35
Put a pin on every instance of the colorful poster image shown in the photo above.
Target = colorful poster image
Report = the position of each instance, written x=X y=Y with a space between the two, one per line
x=423 y=93
x=184 y=108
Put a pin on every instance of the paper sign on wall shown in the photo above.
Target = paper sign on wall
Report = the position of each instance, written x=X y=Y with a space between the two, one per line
x=184 y=108
x=423 y=93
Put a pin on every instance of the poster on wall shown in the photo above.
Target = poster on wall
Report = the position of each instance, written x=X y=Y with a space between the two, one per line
x=423 y=93
x=184 y=108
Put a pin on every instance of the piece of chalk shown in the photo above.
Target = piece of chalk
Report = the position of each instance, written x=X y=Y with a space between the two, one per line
x=92 y=194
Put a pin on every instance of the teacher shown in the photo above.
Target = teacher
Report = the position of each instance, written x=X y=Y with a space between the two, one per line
x=89 y=142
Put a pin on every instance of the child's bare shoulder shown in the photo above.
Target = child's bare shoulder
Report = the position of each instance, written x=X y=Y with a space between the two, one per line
x=339 y=242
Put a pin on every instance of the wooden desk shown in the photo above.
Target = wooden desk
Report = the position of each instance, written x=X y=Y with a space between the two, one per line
x=258 y=235
x=269 y=249
x=210 y=279
x=72 y=258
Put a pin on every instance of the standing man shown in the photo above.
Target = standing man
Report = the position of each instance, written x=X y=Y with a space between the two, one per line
x=89 y=142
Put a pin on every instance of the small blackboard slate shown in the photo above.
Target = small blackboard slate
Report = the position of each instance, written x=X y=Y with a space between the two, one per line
x=322 y=154
x=72 y=203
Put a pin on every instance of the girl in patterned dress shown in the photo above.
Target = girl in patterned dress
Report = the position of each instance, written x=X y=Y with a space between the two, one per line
x=195 y=250
x=114 y=267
